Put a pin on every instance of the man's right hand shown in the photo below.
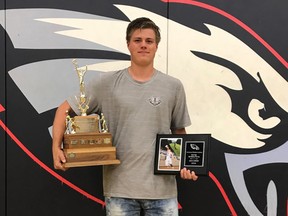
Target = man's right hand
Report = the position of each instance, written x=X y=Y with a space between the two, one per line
x=59 y=127
x=59 y=159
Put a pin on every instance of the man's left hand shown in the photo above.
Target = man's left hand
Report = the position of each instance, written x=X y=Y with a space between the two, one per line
x=187 y=174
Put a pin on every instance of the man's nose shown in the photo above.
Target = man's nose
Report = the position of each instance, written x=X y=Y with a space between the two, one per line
x=143 y=44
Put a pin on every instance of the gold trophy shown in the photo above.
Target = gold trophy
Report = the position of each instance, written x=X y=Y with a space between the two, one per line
x=87 y=141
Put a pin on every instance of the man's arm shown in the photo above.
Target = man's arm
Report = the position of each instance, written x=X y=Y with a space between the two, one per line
x=179 y=131
x=58 y=130
x=185 y=173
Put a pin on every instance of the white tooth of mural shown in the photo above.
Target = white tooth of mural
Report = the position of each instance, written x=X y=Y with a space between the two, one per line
x=272 y=199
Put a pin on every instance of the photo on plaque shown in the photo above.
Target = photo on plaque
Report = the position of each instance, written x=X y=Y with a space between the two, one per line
x=169 y=154
x=176 y=151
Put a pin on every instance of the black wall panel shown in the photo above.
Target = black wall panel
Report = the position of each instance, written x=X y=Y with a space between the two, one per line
x=34 y=54
x=2 y=114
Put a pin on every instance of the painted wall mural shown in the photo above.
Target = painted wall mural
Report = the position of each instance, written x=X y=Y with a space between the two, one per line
x=230 y=56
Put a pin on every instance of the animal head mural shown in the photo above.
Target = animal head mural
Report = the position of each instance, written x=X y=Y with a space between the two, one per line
x=235 y=83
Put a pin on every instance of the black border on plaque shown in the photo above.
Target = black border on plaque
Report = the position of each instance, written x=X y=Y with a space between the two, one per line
x=189 y=150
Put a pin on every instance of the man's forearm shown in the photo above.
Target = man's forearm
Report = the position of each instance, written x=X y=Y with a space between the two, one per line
x=59 y=124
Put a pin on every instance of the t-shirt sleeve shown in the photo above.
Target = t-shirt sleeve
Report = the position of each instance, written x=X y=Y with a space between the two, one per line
x=180 y=114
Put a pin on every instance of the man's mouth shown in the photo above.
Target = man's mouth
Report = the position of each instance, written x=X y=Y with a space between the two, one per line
x=143 y=52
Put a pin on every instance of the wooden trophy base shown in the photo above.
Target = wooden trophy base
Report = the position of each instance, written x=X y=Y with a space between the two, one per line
x=89 y=149
x=78 y=157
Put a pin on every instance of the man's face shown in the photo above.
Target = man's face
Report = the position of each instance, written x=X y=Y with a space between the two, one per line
x=142 y=46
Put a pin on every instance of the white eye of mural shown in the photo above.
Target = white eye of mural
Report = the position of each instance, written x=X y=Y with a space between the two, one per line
x=253 y=112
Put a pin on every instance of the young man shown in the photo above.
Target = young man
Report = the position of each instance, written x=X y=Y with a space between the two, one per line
x=138 y=102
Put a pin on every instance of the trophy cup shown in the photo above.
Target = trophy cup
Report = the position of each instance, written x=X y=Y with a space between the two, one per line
x=87 y=141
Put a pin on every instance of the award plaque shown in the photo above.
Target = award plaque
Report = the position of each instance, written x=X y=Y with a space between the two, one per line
x=87 y=141
x=177 y=151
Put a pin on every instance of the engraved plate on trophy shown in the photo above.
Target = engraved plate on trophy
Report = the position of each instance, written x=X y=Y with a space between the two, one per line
x=87 y=141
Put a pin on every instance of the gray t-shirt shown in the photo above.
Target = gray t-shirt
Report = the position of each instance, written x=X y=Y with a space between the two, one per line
x=135 y=113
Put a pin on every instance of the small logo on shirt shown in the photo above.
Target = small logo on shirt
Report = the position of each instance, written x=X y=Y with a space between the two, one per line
x=155 y=101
